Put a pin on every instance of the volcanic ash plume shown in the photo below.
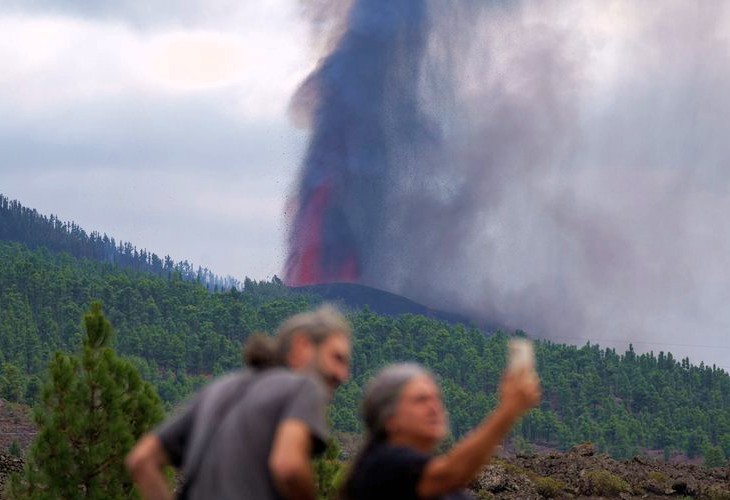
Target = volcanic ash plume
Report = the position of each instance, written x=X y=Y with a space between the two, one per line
x=561 y=167
x=362 y=105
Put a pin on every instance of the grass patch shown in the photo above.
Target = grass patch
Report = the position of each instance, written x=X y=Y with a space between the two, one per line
x=547 y=486
x=604 y=483
x=718 y=493
x=657 y=477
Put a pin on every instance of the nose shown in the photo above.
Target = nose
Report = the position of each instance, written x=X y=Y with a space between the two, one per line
x=435 y=407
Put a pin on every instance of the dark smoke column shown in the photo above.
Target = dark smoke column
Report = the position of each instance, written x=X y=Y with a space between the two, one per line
x=359 y=102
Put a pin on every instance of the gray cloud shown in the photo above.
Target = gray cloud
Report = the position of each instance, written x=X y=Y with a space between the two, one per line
x=604 y=202
x=179 y=176
x=140 y=132
x=139 y=14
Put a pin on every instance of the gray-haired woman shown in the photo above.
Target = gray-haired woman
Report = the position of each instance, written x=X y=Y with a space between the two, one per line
x=405 y=420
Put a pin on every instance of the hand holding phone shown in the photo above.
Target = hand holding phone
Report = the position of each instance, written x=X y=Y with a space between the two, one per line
x=521 y=356
x=520 y=388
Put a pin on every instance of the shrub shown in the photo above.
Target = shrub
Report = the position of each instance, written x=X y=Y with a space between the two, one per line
x=548 y=487
x=603 y=482
x=718 y=493
x=657 y=477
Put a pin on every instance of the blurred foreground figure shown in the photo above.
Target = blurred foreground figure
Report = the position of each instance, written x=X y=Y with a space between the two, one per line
x=251 y=434
x=405 y=420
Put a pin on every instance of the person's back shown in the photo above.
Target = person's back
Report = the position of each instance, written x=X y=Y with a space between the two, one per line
x=236 y=457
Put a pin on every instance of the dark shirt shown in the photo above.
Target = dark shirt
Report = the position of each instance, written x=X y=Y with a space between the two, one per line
x=391 y=472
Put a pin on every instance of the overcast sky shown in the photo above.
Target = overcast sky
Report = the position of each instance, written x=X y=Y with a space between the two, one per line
x=161 y=123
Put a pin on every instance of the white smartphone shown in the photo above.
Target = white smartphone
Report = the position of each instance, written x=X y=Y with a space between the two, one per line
x=521 y=355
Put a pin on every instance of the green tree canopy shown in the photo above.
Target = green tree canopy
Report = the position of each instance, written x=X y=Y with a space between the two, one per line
x=94 y=407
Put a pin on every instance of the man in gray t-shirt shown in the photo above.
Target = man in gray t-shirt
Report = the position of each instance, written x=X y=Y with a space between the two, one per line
x=237 y=453
x=251 y=434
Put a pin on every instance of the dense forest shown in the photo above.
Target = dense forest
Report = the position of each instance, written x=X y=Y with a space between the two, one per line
x=25 y=225
x=178 y=335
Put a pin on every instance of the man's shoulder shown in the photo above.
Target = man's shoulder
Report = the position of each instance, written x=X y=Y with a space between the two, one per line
x=286 y=379
x=272 y=382
x=229 y=380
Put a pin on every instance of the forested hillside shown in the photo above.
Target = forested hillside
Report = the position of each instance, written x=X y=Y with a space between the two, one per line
x=27 y=226
x=179 y=334
x=175 y=330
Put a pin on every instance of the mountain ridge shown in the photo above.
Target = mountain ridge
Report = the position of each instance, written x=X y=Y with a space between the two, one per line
x=359 y=296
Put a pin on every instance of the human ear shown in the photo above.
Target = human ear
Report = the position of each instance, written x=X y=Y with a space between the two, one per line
x=301 y=351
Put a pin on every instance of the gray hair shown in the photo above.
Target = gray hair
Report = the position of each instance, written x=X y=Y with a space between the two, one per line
x=317 y=325
x=379 y=403
x=262 y=351
x=382 y=394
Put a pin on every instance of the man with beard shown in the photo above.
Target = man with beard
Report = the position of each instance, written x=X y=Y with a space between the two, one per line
x=251 y=435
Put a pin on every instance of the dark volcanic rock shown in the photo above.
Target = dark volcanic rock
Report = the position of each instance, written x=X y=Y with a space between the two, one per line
x=8 y=465
x=583 y=473
x=16 y=425
x=358 y=296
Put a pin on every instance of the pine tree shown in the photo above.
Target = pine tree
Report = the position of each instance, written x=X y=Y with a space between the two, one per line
x=11 y=383
x=714 y=456
x=93 y=409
